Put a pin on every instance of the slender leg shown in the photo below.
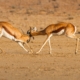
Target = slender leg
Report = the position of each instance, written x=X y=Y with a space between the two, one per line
x=29 y=47
x=1 y=50
x=77 y=42
x=1 y=34
x=17 y=40
x=44 y=44
x=50 y=46
x=22 y=46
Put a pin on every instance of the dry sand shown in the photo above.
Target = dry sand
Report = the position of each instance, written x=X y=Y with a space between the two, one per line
x=63 y=64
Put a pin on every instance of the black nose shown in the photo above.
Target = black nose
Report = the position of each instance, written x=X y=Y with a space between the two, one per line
x=28 y=32
x=28 y=41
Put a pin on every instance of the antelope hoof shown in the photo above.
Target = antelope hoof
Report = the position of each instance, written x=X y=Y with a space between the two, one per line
x=75 y=52
x=30 y=52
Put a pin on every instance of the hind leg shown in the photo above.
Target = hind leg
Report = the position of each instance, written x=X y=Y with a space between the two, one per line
x=1 y=33
x=22 y=46
x=77 y=41
x=70 y=32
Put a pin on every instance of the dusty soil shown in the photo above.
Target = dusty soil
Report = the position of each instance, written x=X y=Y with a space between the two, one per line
x=62 y=64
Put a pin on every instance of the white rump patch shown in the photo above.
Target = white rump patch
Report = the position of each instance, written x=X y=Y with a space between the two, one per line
x=75 y=30
x=61 y=32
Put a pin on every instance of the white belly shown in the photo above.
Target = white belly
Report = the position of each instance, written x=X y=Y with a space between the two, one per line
x=61 y=32
x=6 y=34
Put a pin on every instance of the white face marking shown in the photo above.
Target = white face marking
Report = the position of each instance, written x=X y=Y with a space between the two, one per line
x=61 y=32
x=7 y=34
x=34 y=29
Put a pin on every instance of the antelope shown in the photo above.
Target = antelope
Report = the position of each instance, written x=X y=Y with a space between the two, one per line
x=12 y=33
x=60 y=28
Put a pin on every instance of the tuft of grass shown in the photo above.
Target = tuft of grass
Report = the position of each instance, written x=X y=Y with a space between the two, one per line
x=11 y=11
x=70 y=18
x=13 y=7
x=53 y=0
x=78 y=4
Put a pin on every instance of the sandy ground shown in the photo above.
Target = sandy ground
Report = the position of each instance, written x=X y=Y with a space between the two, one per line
x=62 y=64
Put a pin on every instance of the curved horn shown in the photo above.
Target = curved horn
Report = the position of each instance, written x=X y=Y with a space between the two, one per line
x=22 y=31
x=30 y=32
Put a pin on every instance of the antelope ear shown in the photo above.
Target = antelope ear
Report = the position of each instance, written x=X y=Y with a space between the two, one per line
x=34 y=28
x=30 y=28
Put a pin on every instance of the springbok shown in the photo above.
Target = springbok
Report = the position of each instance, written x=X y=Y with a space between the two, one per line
x=8 y=31
x=59 y=29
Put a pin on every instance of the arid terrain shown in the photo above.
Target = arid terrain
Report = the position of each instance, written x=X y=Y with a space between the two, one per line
x=63 y=63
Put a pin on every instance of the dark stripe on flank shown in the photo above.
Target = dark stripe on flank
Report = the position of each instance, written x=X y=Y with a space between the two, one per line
x=58 y=30
x=8 y=31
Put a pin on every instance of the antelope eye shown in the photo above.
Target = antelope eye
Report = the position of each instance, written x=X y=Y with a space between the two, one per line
x=28 y=41
x=28 y=32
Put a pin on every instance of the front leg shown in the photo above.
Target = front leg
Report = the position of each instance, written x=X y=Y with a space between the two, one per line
x=29 y=47
x=43 y=45
x=77 y=43
x=22 y=46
